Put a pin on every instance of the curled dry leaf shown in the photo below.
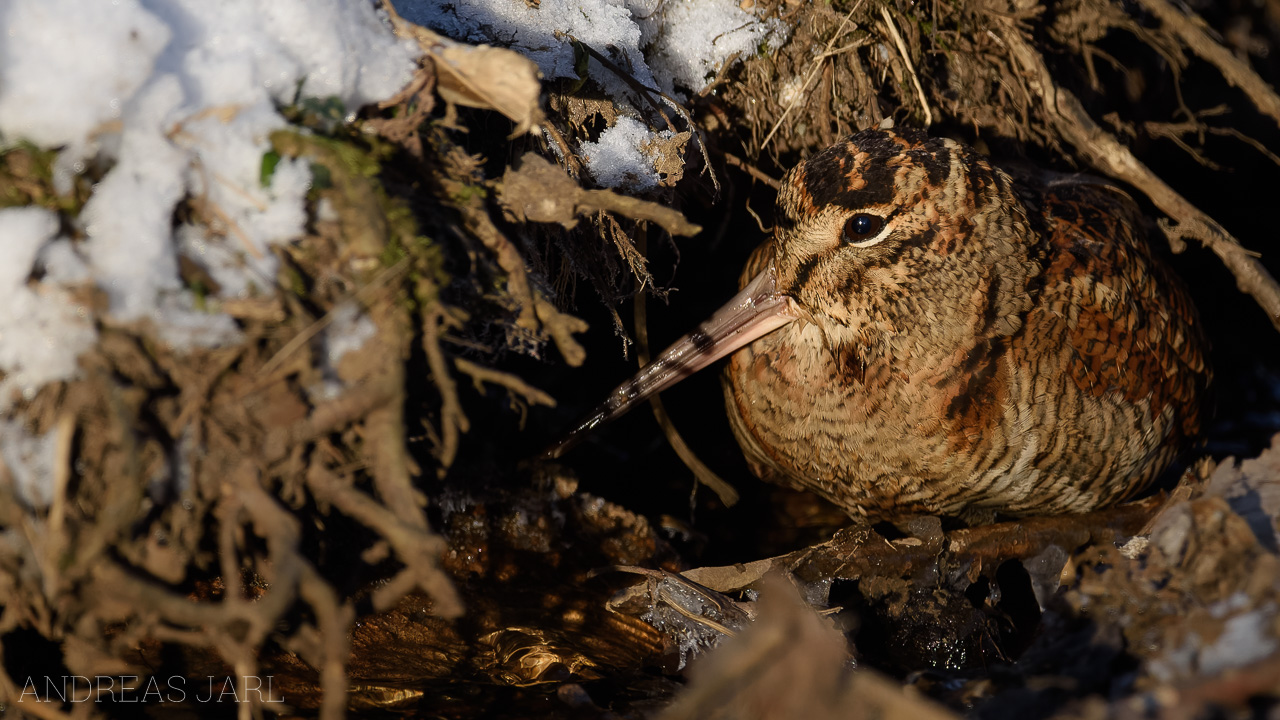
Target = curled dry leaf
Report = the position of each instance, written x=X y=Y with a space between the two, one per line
x=668 y=157
x=489 y=78
x=479 y=76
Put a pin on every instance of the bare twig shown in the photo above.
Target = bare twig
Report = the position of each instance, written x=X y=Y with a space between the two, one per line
x=541 y=192
x=906 y=58
x=393 y=470
x=722 y=74
x=813 y=72
x=752 y=170
x=364 y=295
x=705 y=475
x=476 y=219
x=644 y=91
x=56 y=546
x=334 y=621
x=1234 y=70
x=453 y=421
x=1251 y=142
x=512 y=383
x=647 y=93
x=1173 y=132
x=670 y=220
x=571 y=162
x=534 y=309
x=343 y=411
x=417 y=547
x=562 y=327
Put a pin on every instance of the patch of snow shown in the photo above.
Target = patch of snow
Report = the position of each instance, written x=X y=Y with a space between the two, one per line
x=618 y=158
x=541 y=33
x=1245 y=638
x=348 y=330
x=179 y=98
x=687 y=41
x=30 y=460
x=42 y=331
x=661 y=43
x=60 y=55
x=61 y=262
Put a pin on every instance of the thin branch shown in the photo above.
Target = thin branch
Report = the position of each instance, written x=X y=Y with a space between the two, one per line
x=906 y=58
x=813 y=72
x=752 y=170
x=334 y=621
x=481 y=374
x=1234 y=70
x=705 y=475
x=364 y=296
x=453 y=421
x=417 y=547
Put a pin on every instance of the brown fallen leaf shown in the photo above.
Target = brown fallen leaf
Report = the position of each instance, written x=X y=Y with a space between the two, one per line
x=479 y=76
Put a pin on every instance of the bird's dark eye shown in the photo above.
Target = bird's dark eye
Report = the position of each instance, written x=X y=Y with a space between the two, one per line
x=862 y=226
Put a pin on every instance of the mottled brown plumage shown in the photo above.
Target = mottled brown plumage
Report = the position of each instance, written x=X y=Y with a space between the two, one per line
x=924 y=333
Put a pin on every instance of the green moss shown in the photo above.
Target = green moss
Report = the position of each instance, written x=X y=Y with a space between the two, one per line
x=326 y=115
x=200 y=295
x=26 y=178
x=294 y=280
x=373 y=224
x=470 y=192
x=321 y=178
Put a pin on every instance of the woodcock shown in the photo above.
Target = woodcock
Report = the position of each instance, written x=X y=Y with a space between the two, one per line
x=926 y=333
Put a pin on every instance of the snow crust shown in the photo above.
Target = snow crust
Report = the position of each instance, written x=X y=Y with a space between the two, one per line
x=178 y=99
x=31 y=460
x=618 y=159
x=42 y=330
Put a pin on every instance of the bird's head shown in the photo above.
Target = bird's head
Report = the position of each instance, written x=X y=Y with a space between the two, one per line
x=889 y=231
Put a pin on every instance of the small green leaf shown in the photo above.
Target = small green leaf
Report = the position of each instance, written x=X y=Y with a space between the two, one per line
x=270 y=159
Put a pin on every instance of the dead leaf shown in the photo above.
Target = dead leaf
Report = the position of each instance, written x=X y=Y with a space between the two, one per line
x=668 y=157
x=479 y=76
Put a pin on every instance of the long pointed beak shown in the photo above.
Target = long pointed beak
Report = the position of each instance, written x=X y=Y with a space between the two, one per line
x=753 y=313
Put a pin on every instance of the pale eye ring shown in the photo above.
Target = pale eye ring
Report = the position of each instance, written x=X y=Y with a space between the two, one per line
x=862 y=227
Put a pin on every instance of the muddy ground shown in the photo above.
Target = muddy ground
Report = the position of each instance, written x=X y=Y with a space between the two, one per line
x=400 y=548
